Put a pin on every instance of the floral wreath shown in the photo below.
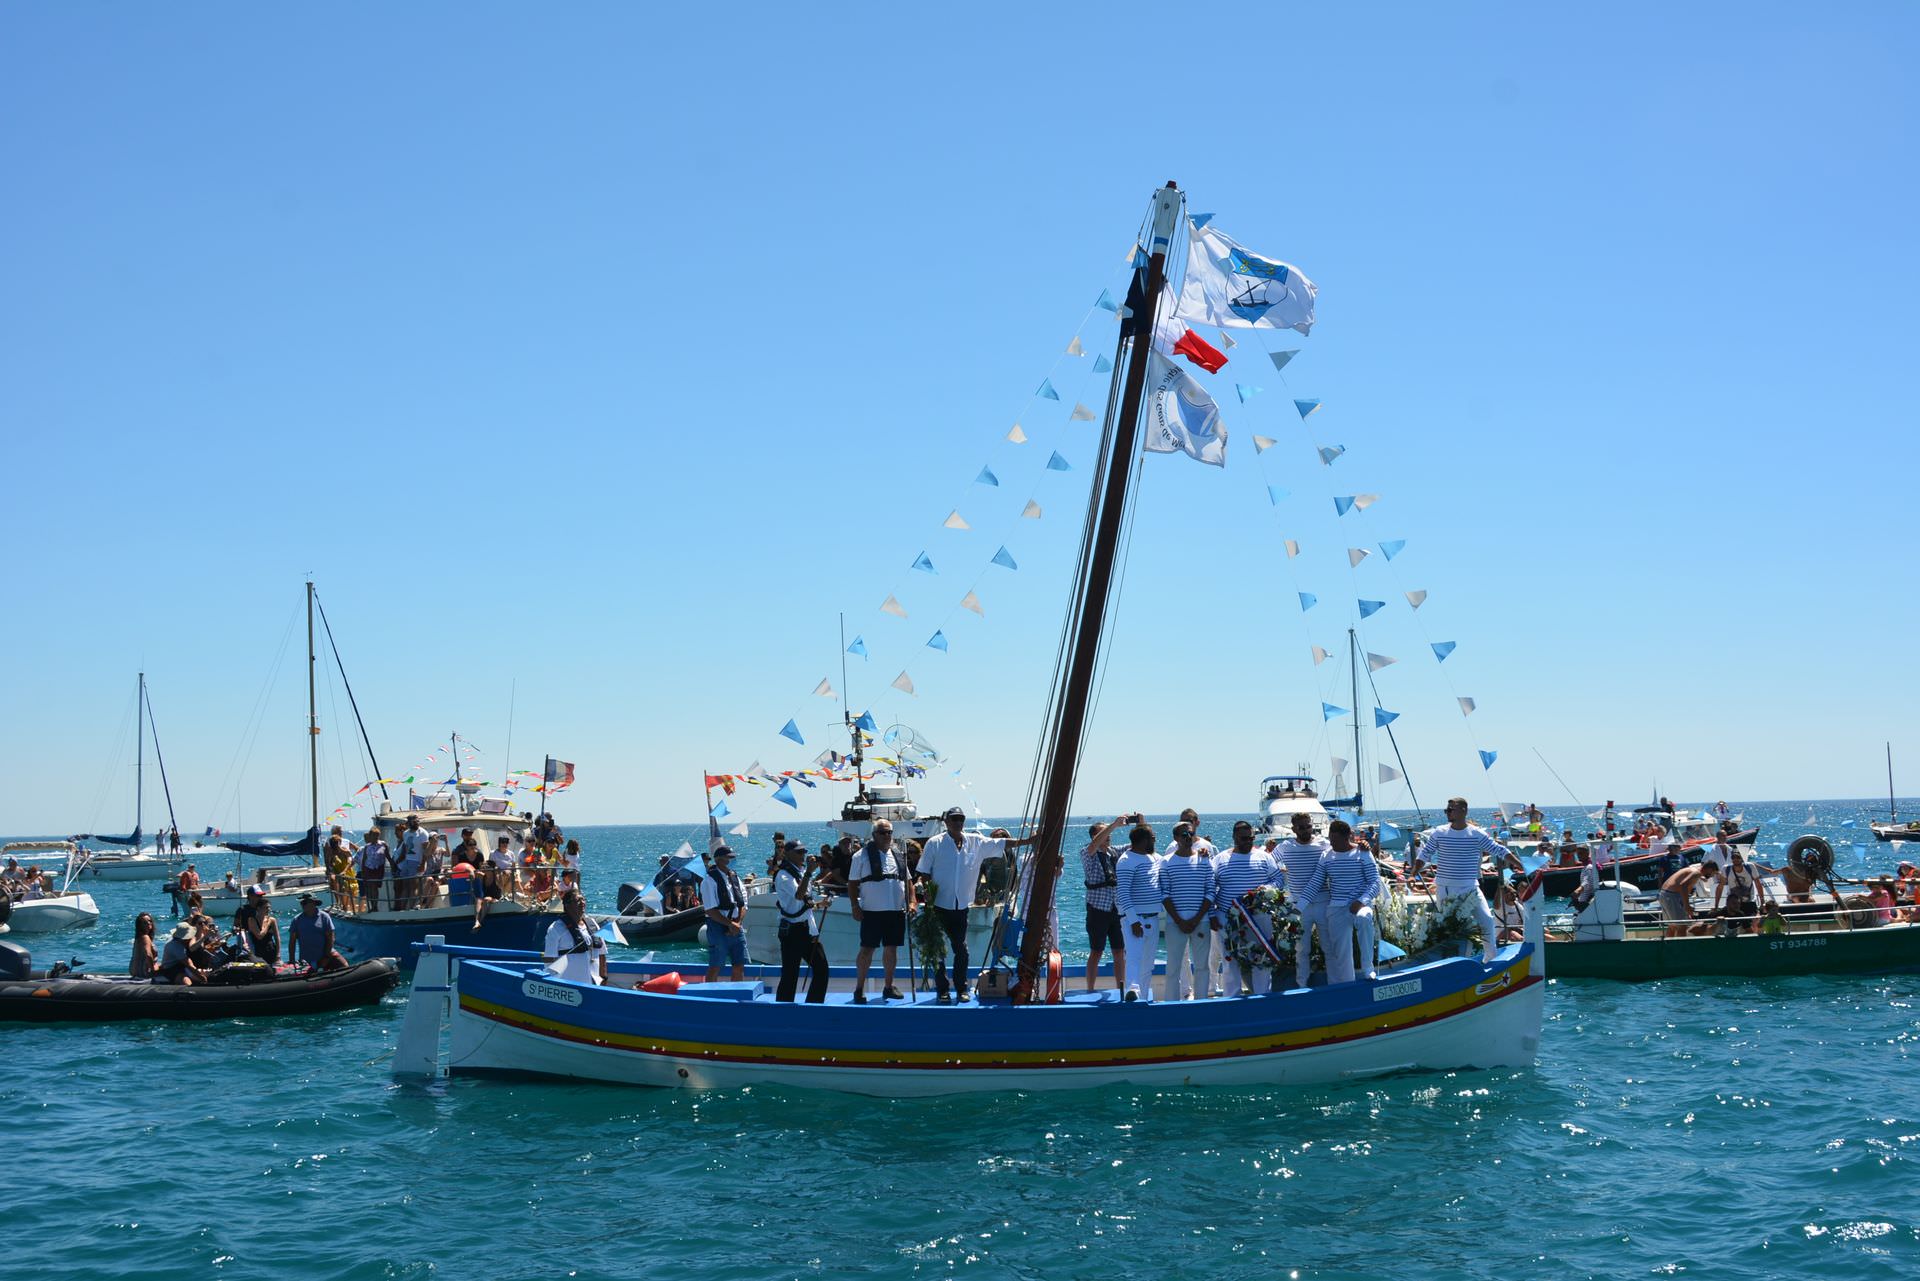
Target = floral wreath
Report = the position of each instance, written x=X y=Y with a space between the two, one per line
x=1263 y=932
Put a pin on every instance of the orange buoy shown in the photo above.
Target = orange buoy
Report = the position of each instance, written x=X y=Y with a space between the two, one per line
x=669 y=983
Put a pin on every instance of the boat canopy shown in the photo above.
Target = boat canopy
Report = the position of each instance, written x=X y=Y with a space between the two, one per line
x=303 y=848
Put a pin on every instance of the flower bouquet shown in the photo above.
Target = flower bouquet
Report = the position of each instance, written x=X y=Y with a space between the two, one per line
x=1263 y=933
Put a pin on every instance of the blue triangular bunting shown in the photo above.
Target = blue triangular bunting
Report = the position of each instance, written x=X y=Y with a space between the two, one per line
x=1341 y=506
x=1046 y=391
x=937 y=641
x=1307 y=601
x=1106 y=302
x=986 y=477
x=1275 y=493
x=1101 y=365
x=1306 y=406
x=1057 y=463
x=784 y=794
x=1382 y=717
x=1393 y=547
x=792 y=731
x=1246 y=393
x=721 y=810
x=1368 y=608
x=1280 y=358
x=866 y=722
x=1488 y=758
x=1330 y=452
x=1442 y=648
x=859 y=646
x=921 y=562
x=1328 y=711
x=1004 y=557
x=1199 y=221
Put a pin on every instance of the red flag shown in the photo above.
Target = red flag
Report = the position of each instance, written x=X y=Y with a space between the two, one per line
x=1200 y=352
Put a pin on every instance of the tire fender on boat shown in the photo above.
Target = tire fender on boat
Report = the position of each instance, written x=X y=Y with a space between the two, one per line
x=1811 y=853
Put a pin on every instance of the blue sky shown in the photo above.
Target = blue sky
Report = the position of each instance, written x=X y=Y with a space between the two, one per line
x=595 y=360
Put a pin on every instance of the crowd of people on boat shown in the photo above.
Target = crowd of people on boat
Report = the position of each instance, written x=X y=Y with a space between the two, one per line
x=199 y=948
x=24 y=883
x=414 y=870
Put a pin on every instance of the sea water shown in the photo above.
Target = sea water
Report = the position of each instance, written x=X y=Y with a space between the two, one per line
x=1718 y=1128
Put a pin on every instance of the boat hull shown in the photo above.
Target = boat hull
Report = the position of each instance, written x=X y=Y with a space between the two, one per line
x=1895 y=832
x=45 y=915
x=364 y=936
x=132 y=869
x=1885 y=949
x=115 y=998
x=516 y=1020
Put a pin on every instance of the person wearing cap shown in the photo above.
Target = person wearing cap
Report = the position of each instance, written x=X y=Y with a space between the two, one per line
x=574 y=949
x=952 y=861
x=799 y=927
x=176 y=958
x=1136 y=892
x=881 y=897
x=725 y=899
x=1187 y=901
x=1237 y=873
x=312 y=937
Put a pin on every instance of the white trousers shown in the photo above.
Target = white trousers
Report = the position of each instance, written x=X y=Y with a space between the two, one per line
x=1232 y=986
x=1187 y=962
x=1489 y=929
x=1217 y=954
x=1311 y=919
x=1337 y=933
x=1141 y=952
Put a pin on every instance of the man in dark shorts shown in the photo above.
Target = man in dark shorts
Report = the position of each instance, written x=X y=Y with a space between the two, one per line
x=1104 y=934
x=882 y=895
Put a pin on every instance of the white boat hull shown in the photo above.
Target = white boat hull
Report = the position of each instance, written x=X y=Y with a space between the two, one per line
x=139 y=867
x=45 y=915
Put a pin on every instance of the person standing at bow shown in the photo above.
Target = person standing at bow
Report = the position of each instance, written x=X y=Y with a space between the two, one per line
x=952 y=861
x=1136 y=892
x=574 y=949
x=1187 y=898
x=372 y=861
x=799 y=927
x=725 y=899
x=1300 y=857
x=1104 y=933
x=1237 y=873
x=1350 y=883
x=1455 y=851
x=881 y=897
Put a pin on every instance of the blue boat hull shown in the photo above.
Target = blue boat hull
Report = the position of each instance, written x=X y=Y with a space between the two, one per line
x=359 y=940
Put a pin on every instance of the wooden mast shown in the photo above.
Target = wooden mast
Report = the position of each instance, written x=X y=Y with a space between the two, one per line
x=1073 y=699
x=313 y=737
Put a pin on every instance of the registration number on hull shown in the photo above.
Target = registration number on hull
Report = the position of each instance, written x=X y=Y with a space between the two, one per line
x=1389 y=991
x=1782 y=944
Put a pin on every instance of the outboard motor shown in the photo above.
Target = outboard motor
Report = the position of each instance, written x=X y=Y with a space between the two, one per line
x=16 y=963
x=628 y=898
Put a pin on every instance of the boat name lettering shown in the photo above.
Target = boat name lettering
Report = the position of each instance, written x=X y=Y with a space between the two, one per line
x=1388 y=991
x=550 y=992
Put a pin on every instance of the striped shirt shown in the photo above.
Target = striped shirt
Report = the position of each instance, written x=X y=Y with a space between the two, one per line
x=1186 y=881
x=1096 y=867
x=1349 y=876
x=1234 y=874
x=1302 y=864
x=1137 y=884
x=1456 y=852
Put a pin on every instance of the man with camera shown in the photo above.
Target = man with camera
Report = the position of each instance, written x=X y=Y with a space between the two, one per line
x=799 y=928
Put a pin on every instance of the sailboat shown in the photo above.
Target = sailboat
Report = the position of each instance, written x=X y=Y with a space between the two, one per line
x=137 y=864
x=513 y=1015
x=1893 y=829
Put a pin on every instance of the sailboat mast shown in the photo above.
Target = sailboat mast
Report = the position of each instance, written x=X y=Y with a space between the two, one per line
x=1353 y=665
x=846 y=716
x=139 y=755
x=313 y=738
x=1892 y=811
x=1098 y=557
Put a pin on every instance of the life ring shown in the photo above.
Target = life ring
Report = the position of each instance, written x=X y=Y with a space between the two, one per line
x=1810 y=856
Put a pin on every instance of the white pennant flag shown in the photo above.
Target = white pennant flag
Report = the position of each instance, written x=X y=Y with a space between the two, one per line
x=824 y=690
x=972 y=602
x=1227 y=343
x=1080 y=414
x=1293 y=549
x=1017 y=436
x=1363 y=501
x=1031 y=511
x=955 y=520
x=903 y=683
x=1339 y=765
x=1388 y=773
x=739 y=829
x=1415 y=598
x=1182 y=418
x=1355 y=555
x=1319 y=656
x=1074 y=348
x=1261 y=444
x=1466 y=707
x=892 y=606
x=1377 y=661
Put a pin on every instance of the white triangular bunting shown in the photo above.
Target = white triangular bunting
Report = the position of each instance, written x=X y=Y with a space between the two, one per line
x=1081 y=414
x=1377 y=661
x=1364 y=501
x=972 y=602
x=1261 y=444
x=1319 y=656
x=824 y=689
x=955 y=520
x=903 y=683
x=1227 y=343
x=1415 y=598
x=1388 y=773
x=1074 y=348
x=1339 y=765
x=1017 y=436
x=893 y=606
x=1354 y=556
x=1031 y=511
x=1466 y=707
x=1293 y=549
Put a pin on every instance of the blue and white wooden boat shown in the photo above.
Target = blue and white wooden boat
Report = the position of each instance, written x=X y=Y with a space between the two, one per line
x=511 y=1015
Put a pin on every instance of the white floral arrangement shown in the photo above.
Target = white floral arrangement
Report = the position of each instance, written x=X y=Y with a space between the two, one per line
x=1278 y=920
x=1416 y=927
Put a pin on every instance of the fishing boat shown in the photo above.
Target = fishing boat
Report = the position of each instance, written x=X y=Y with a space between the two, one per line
x=1284 y=795
x=49 y=912
x=511 y=1015
x=1604 y=941
x=68 y=996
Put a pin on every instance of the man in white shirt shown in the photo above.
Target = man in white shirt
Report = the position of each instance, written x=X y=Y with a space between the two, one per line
x=1455 y=851
x=574 y=950
x=1136 y=893
x=1237 y=873
x=1300 y=857
x=881 y=898
x=952 y=861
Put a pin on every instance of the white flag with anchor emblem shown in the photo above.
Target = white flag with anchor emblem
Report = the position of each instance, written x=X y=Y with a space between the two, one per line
x=1234 y=288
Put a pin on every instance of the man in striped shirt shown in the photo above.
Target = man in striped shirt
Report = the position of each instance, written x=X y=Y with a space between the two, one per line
x=1186 y=896
x=1351 y=883
x=1237 y=873
x=1136 y=892
x=1455 y=851
x=1301 y=859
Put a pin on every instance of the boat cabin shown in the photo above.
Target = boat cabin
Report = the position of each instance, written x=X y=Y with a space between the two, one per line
x=1284 y=795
